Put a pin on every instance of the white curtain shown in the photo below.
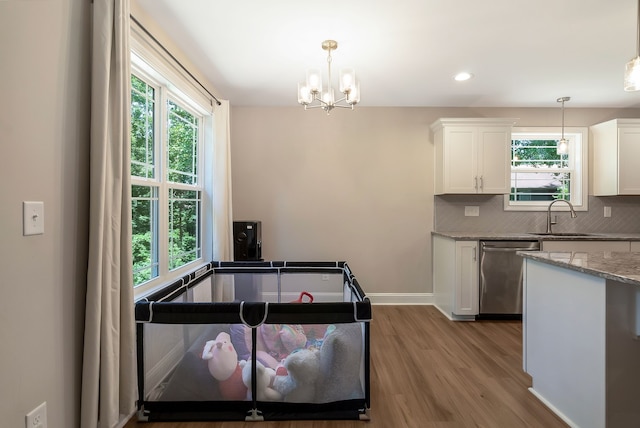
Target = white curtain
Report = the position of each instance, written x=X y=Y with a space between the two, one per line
x=109 y=370
x=222 y=209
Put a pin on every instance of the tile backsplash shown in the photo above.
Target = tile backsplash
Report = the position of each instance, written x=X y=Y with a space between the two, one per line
x=450 y=216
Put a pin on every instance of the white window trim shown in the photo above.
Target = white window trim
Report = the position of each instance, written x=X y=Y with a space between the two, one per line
x=580 y=194
x=149 y=62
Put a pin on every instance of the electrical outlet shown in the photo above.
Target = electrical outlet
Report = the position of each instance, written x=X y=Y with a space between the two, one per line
x=472 y=211
x=37 y=418
x=607 y=211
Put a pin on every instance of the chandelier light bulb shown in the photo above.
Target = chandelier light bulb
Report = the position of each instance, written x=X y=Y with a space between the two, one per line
x=314 y=80
x=304 y=94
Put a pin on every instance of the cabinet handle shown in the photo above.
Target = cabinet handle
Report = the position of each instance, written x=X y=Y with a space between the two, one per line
x=481 y=183
x=476 y=179
x=475 y=256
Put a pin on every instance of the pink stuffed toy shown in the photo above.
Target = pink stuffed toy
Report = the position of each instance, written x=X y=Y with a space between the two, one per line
x=282 y=339
x=274 y=342
x=223 y=365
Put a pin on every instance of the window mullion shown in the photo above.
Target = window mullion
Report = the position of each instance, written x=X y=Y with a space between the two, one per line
x=161 y=150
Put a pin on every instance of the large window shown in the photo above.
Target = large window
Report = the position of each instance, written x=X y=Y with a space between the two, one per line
x=539 y=175
x=167 y=183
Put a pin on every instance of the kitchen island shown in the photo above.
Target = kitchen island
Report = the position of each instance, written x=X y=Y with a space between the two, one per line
x=581 y=323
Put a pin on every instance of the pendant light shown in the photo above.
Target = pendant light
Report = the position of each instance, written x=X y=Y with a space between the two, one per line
x=563 y=144
x=632 y=70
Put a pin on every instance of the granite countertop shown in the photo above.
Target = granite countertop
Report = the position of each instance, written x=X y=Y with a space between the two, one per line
x=531 y=236
x=621 y=267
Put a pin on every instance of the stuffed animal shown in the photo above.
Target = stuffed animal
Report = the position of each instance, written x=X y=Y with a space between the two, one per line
x=282 y=339
x=341 y=356
x=302 y=371
x=222 y=360
x=274 y=342
x=264 y=379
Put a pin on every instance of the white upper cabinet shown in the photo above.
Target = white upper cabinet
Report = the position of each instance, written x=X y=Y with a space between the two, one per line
x=472 y=155
x=616 y=157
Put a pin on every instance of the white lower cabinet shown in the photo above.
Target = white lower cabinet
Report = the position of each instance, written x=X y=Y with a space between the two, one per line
x=455 y=277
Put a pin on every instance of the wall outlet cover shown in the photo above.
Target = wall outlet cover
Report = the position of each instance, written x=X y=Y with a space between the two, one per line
x=37 y=418
x=471 y=211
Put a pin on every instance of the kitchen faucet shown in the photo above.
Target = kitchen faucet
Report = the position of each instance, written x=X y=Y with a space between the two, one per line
x=549 y=222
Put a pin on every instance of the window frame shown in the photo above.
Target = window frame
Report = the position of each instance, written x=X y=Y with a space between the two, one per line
x=171 y=85
x=578 y=158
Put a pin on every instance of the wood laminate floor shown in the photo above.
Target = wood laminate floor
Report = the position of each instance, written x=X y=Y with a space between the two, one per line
x=429 y=372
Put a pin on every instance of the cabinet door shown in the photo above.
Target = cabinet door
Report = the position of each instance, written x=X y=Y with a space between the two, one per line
x=460 y=155
x=635 y=247
x=466 y=284
x=628 y=161
x=494 y=160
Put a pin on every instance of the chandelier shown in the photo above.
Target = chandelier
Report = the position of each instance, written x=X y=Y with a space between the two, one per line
x=311 y=95
x=632 y=69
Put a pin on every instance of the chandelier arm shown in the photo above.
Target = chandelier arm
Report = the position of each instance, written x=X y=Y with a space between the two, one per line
x=320 y=100
x=343 y=106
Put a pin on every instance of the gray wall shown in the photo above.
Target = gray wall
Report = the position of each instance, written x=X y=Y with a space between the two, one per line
x=358 y=186
x=44 y=136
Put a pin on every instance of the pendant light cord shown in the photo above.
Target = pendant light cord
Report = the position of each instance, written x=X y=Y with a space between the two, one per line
x=638 y=33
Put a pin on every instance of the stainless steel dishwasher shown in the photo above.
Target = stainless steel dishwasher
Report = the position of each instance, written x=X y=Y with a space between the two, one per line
x=501 y=278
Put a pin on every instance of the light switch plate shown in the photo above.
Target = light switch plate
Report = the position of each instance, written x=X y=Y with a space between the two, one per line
x=607 y=211
x=33 y=218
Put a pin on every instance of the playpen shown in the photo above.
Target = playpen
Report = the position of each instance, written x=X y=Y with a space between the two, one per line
x=255 y=341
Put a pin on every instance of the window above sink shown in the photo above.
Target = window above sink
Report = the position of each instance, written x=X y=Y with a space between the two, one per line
x=539 y=175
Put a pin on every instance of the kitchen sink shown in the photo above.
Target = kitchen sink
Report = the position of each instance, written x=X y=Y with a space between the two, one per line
x=564 y=234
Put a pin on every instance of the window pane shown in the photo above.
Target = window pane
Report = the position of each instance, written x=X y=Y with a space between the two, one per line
x=540 y=186
x=538 y=172
x=142 y=128
x=537 y=154
x=144 y=221
x=183 y=145
x=184 y=227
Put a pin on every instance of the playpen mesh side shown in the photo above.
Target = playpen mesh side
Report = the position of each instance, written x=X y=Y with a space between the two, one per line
x=323 y=346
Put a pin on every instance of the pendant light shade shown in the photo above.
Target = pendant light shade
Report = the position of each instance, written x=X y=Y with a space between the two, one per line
x=632 y=70
x=632 y=75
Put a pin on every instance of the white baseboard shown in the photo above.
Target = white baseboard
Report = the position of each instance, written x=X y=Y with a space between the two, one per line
x=554 y=409
x=401 y=298
x=155 y=375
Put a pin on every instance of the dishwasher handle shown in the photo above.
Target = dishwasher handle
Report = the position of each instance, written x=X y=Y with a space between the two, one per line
x=507 y=249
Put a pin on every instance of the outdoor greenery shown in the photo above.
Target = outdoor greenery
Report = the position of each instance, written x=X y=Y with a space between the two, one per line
x=158 y=192
x=539 y=161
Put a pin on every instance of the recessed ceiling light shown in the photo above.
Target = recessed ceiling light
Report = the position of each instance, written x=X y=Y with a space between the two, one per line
x=461 y=77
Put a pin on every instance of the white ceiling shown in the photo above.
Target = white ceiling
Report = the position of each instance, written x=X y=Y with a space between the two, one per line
x=405 y=52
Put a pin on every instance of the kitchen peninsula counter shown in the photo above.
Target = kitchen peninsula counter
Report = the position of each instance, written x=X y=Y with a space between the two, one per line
x=581 y=327
x=528 y=236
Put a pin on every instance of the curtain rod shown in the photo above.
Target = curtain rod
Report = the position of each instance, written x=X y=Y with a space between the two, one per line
x=173 y=57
